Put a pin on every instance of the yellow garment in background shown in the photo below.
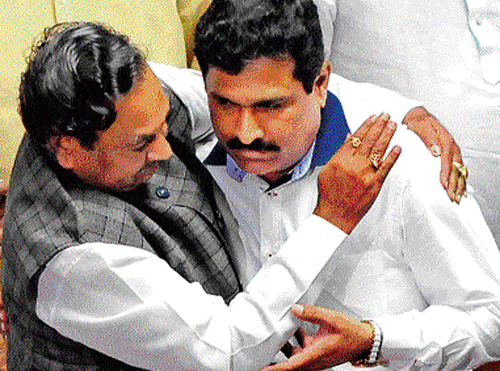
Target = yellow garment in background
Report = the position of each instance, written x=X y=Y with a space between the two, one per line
x=156 y=26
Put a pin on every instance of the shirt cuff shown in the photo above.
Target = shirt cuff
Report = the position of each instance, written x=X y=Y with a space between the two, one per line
x=400 y=342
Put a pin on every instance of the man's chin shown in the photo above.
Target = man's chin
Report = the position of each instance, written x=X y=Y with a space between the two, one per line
x=254 y=167
x=139 y=179
x=260 y=168
x=145 y=174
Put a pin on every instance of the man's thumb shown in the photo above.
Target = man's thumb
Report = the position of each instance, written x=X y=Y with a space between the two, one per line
x=309 y=313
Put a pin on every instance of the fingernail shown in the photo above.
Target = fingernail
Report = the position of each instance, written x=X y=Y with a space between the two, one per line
x=436 y=150
x=385 y=116
x=392 y=125
x=458 y=198
x=298 y=309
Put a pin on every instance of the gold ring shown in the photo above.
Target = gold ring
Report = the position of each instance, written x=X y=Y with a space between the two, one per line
x=462 y=170
x=375 y=160
x=355 y=141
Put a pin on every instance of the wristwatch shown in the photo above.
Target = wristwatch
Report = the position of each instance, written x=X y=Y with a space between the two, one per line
x=373 y=359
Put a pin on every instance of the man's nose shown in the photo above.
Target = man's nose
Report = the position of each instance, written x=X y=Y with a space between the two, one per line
x=160 y=149
x=249 y=128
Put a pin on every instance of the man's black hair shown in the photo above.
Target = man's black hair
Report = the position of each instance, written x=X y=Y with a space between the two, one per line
x=233 y=33
x=74 y=75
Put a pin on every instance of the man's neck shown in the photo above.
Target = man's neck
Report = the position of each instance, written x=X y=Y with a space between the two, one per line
x=276 y=181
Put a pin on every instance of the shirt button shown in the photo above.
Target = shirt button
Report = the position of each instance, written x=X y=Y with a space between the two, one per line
x=162 y=192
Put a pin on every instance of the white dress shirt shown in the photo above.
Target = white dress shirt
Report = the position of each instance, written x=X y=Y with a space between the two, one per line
x=436 y=52
x=131 y=305
x=484 y=22
x=421 y=266
x=114 y=298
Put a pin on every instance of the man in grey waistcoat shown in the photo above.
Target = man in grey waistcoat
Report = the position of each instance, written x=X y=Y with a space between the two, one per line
x=117 y=243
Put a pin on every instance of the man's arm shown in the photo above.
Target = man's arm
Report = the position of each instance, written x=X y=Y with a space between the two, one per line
x=360 y=100
x=132 y=306
x=440 y=143
x=453 y=260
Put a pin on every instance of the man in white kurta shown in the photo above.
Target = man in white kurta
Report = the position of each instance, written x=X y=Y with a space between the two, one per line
x=421 y=266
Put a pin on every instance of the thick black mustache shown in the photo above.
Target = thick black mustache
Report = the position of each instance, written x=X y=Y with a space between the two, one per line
x=257 y=145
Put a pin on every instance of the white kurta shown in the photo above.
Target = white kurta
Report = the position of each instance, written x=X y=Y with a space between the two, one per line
x=131 y=305
x=420 y=265
x=444 y=53
x=422 y=269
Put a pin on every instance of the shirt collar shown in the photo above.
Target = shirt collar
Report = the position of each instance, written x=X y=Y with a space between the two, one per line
x=297 y=172
x=331 y=134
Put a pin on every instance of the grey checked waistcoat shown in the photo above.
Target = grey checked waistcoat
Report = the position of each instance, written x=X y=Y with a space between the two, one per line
x=50 y=210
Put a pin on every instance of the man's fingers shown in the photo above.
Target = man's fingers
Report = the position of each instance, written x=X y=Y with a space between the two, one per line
x=290 y=350
x=373 y=134
x=363 y=129
x=313 y=314
x=446 y=171
x=298 y=362
x=440 y=143
x=383 y=140
x=462 y=180
x=460 y=189
x=449 y=177
x=388 y=163
x=458 y=179
x=450 y=153
x=453 y=183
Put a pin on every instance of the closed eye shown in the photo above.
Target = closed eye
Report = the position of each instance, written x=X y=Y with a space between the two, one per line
x=272 y=104
x=144 y=143
x=221 y=100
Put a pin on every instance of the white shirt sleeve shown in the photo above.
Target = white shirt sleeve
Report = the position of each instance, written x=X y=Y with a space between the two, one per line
x=189 y=87
x=455 y=261
x=361 y=100
x=130 y=305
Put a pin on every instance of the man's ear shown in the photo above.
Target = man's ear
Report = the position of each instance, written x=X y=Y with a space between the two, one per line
x=65 y=150
x=321 y=83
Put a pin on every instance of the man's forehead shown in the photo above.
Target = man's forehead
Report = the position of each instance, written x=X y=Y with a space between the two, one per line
x=142 y=110
x=262 y=79
x=145 y=95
